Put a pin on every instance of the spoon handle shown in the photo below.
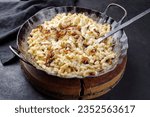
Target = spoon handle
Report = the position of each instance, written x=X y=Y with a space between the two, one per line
x=124 y=25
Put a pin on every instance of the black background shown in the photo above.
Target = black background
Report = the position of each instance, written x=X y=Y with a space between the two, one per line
x=135 y=83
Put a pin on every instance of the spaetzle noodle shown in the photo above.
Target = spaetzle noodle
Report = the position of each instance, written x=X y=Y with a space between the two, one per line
x=65 y=46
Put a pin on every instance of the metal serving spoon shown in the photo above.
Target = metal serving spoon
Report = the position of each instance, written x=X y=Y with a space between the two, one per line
x=123 y=25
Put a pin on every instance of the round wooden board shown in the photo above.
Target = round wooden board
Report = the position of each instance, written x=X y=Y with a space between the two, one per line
x=63 y=88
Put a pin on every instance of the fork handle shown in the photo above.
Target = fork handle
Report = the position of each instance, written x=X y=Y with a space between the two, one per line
x=124 y=25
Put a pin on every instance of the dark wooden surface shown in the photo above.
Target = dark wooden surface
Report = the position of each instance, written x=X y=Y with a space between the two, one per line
x=136 y=80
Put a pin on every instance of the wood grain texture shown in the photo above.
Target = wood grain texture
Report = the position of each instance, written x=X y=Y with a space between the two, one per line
x=62 y=88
